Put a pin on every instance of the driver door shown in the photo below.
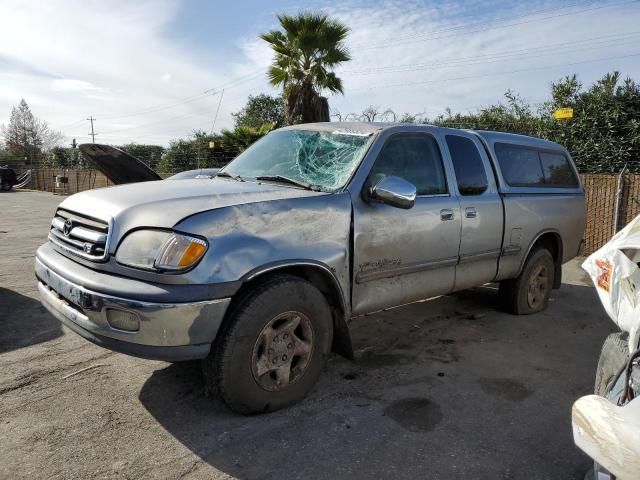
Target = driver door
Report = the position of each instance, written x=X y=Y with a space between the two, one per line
x=401 y=256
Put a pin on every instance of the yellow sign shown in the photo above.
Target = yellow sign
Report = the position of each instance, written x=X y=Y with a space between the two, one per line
x=563 y=113
x=212 y=144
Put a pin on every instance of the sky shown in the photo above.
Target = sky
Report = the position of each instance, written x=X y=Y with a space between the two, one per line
x=151 y=71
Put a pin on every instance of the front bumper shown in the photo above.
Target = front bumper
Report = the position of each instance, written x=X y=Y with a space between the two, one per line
x=167 y=331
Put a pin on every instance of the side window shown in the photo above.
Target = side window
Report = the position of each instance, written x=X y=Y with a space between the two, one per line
x=467 y=163
x=520 y=166
x=557 y=170
x=414 y=157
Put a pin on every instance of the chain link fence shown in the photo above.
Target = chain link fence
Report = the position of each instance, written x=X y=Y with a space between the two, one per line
x=611 y=200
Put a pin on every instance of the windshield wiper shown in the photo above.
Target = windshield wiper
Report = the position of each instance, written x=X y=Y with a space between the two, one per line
x=228 y=175
x=290 y=181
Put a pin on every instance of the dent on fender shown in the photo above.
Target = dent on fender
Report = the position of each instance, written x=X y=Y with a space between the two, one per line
x=248 y=238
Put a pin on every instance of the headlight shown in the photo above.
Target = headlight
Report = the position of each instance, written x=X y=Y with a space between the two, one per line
x=160 y=250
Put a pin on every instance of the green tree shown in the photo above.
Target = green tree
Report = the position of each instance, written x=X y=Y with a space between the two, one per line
x=60 y=157
x=201 y=150
x=515 y=116
x=307 y=49
x=602 y=136
x=149 y=154
x=26 y=135
x=408 y=118
x=261 y=109
x=238 y=139
x=604 y=133
x=179 y=156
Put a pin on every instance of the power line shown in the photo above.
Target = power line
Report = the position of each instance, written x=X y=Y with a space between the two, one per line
x=494 y=20
x=469 y=29
x=230 y=84
x=423 y=82
x=187 y=114
x=73 y=124
x=158 y=108
x=592 y=43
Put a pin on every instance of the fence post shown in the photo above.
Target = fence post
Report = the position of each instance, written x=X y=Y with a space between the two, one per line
x=619 y=186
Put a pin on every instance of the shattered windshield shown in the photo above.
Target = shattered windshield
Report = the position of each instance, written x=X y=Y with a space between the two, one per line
x=322 y=159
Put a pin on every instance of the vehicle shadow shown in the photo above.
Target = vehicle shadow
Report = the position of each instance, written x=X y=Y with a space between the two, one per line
x=24 y=321
x=449 y=388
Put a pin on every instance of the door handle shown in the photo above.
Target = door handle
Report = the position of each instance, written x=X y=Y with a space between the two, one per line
x=470 y=212
x=446 y=214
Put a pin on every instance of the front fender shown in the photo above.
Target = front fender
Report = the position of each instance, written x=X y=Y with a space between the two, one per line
x=249 y=237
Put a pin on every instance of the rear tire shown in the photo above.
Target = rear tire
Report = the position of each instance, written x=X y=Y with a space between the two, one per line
x=530 y=291
x=613 y=356
x=274 y=347
x=6 y=186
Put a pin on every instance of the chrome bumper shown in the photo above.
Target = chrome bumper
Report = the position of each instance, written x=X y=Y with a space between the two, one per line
x=167 y=331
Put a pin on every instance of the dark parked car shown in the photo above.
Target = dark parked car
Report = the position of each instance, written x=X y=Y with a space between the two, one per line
x=7 y=178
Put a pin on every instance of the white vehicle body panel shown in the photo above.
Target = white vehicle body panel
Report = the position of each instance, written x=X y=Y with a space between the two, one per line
x=616 y=276
x=609 y=434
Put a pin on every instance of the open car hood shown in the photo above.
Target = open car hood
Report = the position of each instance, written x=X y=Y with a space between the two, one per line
x=116 y=165
x=616 y=276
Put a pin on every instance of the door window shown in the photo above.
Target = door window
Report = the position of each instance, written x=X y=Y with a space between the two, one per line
x=530 y=167
x=414 y=157
x=467 y=163
x=520 y=165
x=557 y=170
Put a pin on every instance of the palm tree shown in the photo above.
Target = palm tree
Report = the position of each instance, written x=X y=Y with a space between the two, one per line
x=241 y=137
x=306 y=52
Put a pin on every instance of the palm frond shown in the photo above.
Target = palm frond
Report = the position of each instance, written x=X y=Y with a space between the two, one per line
x=277 y=76
x=307 y=48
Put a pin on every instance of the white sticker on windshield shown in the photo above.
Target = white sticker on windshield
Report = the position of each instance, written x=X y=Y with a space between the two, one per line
x=346 y=131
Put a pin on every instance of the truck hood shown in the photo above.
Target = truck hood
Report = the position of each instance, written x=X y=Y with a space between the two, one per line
x=117 y=165
x=162 y=204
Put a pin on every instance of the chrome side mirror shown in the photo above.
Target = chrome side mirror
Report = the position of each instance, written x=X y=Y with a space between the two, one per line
x=394 y=191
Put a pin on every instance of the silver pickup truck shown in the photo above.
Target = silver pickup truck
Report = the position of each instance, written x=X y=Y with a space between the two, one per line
x=258 y=270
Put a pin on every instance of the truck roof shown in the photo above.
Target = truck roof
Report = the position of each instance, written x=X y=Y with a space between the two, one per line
x=492 y=136
x=373 y=127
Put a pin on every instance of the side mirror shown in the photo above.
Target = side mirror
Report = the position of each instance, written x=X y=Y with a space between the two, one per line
x=394 y=191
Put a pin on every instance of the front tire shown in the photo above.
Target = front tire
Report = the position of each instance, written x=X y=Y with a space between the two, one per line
x=530 y=291
x=274 y=347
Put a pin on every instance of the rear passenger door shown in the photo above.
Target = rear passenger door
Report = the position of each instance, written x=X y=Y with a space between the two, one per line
x=480 y=208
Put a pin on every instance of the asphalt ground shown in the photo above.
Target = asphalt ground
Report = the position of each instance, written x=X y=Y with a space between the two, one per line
x=443 y=389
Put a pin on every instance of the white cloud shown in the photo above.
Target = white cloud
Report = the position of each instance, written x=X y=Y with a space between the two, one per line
x=114 y=60
x=73 y=84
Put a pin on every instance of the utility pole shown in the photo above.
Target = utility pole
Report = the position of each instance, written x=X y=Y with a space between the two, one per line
x=93 y=135
x=74 y=162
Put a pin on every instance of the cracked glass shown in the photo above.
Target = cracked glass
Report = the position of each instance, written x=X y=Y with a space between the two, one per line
x=321 y=159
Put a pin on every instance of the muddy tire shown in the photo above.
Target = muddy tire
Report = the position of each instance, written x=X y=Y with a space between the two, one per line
x=274 y=347
x=530 y=292
x=613 y=356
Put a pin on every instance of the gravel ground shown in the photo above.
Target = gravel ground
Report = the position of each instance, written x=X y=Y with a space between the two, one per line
x=444 y=389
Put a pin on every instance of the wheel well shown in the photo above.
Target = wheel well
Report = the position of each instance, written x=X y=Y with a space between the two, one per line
x=553 y=243
x=323 y=281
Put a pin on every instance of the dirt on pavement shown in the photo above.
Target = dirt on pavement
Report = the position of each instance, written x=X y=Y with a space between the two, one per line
x=444 y=389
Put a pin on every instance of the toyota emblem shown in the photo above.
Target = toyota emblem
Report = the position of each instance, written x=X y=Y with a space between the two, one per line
x=66 y=229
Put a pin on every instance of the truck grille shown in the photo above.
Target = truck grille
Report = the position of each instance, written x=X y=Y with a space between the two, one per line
x=80 y=234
